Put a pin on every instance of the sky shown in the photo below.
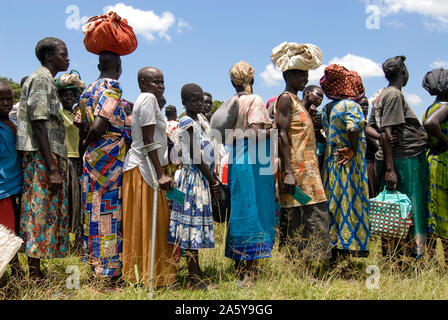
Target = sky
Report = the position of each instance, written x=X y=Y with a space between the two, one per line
x=198 y=41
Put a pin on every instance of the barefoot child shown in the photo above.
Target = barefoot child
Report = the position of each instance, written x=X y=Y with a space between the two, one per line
x=191 y=225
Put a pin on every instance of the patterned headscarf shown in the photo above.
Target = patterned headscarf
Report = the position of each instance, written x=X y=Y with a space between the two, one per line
x=436 y=82
x=242 y=74
x=339 y=83
x=291 y=55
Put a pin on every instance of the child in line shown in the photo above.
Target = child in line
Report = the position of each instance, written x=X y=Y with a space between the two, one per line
x=70 y=87
x=11 y=167
x=191 y=224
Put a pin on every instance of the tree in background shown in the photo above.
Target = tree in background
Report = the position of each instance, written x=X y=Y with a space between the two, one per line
x=216 y=105
x=15 y=88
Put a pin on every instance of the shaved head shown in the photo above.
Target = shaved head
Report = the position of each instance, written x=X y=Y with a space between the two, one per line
x=151 y=80
x=145 y=74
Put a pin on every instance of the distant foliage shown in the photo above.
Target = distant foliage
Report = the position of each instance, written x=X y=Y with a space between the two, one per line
x=216 y=105
x=15 y=88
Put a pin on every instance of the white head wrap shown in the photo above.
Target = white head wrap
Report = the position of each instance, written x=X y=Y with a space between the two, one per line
x=291 y=55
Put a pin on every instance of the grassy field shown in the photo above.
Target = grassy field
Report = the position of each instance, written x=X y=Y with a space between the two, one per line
x=279 y=279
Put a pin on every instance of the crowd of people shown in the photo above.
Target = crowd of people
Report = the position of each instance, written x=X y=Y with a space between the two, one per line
x=83 y=160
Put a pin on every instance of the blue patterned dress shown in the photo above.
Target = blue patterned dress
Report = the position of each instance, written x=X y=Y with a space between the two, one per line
x=346 y=186
x=191 y=224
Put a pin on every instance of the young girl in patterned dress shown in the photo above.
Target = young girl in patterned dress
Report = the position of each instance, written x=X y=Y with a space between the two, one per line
x=191 y=224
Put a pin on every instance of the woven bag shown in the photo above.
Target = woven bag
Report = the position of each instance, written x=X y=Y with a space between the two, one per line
x=386 y=216
x=9 y=245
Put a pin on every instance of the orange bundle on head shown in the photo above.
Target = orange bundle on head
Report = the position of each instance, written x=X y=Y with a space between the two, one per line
x=109 y=32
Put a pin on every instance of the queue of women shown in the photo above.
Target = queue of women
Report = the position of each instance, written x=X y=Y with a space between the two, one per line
x=82 y=168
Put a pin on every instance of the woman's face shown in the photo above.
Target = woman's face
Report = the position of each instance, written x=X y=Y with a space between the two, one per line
x=156 y=83
x=194 y=103
x=299 y=79
x=315 y=97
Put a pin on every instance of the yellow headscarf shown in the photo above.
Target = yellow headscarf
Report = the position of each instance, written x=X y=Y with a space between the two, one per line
x=242 y=74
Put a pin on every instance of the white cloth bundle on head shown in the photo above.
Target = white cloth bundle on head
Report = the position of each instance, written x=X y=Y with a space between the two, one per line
x=292 y=55
x=9 y=246
x=70 y=80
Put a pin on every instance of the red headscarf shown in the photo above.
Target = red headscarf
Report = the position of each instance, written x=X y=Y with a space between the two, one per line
x=339 y=83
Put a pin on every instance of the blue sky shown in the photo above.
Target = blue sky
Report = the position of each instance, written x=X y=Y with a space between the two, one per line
x=198 y=41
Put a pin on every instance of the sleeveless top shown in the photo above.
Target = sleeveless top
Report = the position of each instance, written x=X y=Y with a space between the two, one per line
x=303 y=155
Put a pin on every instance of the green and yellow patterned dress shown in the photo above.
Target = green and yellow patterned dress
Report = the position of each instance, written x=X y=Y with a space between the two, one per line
x=346 y=186
x=437 y=222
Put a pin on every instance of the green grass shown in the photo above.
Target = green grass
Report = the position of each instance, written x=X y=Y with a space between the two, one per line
x=279 y=278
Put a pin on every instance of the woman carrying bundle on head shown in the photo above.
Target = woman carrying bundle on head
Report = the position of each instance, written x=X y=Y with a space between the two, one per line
x=104 y=131
x=251 y=232
x=345 y=168
x=435 y=121
x=303 y=225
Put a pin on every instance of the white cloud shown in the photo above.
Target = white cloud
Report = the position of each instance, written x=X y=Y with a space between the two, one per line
x=363 y=66
x=271 y=76
x=147 y=23
x=413 y=99
x=439 y=64
x=182 y=24
x=435 y=12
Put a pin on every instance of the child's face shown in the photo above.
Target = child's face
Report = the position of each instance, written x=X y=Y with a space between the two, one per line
x=6 y=100
x=194 y=103
x=68 y=99
x=208 y=104
x=315 y=97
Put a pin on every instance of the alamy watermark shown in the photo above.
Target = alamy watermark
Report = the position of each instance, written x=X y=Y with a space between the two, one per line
x=373 y=280
x=374 y=18
x=74 y=20
x=72 y=282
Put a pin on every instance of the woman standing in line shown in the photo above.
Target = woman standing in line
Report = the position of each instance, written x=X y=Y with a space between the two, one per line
x=345 y=173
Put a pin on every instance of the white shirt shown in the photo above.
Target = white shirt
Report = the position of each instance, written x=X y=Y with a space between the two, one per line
x=146 y=112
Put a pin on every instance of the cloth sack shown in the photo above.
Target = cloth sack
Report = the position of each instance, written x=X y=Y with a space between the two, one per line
x=109 y=32
x=292 y=55
x=225 y=117
x=390 y=214
x=9 y=246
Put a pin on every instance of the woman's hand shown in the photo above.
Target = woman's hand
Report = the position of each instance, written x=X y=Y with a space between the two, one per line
x=391 y=179
x=289 y=183
x=165 y=183
x=346 y=154
x=55 y=180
